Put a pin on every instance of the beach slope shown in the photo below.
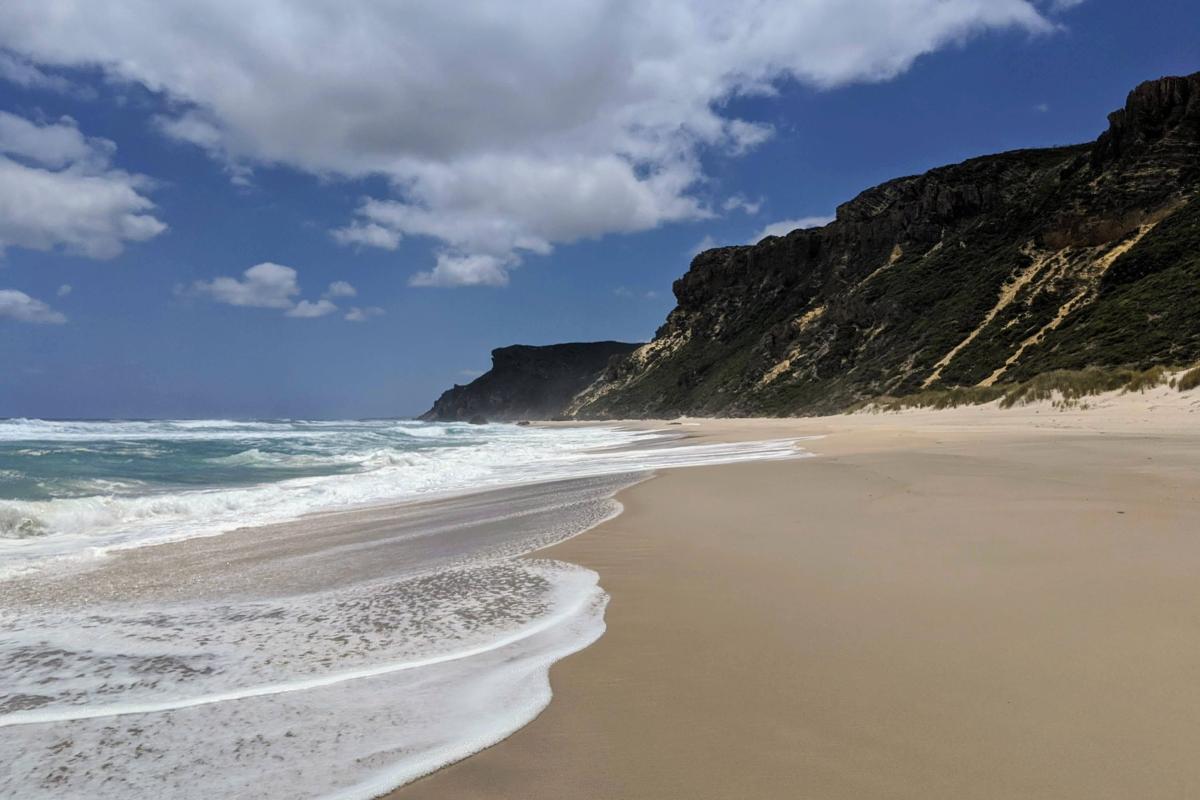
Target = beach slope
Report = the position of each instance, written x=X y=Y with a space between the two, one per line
x=964 y=604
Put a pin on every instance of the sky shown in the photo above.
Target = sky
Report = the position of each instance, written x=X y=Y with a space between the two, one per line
x=324 y=209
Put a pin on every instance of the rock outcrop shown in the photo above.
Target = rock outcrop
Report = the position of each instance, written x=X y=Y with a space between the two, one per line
x=987 y=271
x=527 y=382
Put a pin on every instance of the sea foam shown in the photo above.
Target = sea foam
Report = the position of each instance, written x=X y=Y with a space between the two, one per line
x=356 y=465
x=338 y=656
x=341 y=694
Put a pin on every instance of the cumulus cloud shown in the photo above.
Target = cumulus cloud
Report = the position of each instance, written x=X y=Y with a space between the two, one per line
x=465 y=270
x=340 y=289
x=55 y=145
x=356 y=314
x=265 y=285
x=504 y=129
x=23 y=308
x=307 y=309
x=64 y=290
x=490 y=209
x=786 y=226
x=270 y=285
x=59 y=190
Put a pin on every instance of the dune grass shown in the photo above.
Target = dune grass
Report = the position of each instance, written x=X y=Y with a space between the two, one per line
x=1063 y=388
x=940 y=398
x=1188 y=380
x=1067 y=387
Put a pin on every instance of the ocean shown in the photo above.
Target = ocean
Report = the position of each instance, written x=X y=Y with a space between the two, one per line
x=282 y=608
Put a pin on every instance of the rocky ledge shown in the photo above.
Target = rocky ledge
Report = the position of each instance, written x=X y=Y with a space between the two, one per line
x=527 y=382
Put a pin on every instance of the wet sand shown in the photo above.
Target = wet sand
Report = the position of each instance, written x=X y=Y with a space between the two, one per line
x=957 y=605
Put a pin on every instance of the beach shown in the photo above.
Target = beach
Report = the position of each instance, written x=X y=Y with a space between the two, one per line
x=972 y=603
x=385 y=625
x=599 y=400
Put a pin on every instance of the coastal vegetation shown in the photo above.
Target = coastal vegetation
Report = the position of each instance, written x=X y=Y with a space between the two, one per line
x=1189 y=380
x=1064 y=388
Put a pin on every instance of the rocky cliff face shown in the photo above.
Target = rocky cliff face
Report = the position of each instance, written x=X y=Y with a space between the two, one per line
x=528 y=382
x=982 y=272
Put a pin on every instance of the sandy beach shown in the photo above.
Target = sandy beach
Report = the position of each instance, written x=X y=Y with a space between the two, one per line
x=599 y=400
x=964 y=604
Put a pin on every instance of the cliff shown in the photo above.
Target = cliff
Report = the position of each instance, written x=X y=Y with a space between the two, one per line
x=528 y=382
x=983 y=272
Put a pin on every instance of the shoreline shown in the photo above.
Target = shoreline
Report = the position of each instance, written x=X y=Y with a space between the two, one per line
x=426 y=605
x=960 y=603
x=925 y=607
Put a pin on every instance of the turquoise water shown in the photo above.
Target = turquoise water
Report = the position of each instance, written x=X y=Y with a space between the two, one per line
x=82 y=488
x=44 y=460
x=66 y=486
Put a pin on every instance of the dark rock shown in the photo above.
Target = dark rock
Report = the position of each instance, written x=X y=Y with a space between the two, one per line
x=527 y=382
x=478 y=419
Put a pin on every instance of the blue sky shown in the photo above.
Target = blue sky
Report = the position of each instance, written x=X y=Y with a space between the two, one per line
x=550 y=178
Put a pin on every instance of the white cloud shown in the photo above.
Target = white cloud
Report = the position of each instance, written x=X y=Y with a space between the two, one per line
x=464 y=270
x=786 y=226
x=369 y=234
x=505 y=129
x=306 y=309
x=23 y=308
x=740 y=203
x=64 y=290
x=22 y=73
x=340 y=289
x=489 y=209
x=356 y=314
x=265 y=285
x=54 y=145
x=57 y=189
x=270 y=285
